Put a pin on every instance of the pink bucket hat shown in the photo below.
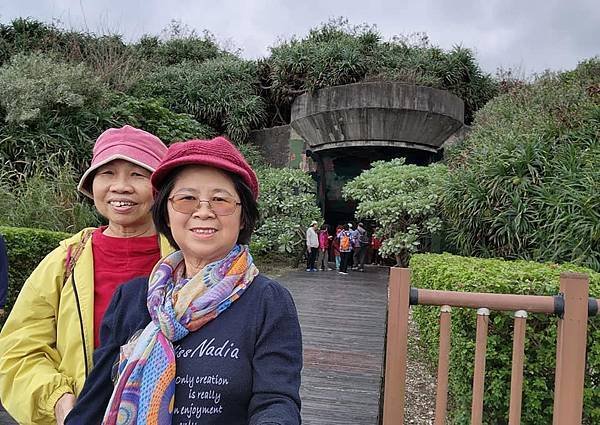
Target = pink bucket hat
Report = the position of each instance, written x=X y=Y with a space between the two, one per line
x=218 y=153
x=129 y=143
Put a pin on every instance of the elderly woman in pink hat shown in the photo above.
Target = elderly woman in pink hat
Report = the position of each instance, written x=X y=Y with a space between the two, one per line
x=205 y=339
x=47 y=342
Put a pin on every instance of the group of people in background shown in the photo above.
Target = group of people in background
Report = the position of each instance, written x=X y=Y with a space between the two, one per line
x=349 y=247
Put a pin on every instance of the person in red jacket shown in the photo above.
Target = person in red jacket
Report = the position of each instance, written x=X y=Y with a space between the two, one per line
x=376 y=245
x=336 y=246
x=324 y=239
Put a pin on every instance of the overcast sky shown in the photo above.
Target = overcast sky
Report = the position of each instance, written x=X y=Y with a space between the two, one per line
x=529 y=36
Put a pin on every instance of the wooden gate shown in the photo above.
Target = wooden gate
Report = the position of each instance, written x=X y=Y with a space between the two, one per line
x=572 y=305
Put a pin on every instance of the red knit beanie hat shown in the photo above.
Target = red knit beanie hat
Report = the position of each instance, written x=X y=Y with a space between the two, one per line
x=218 y=152
x=128 y=143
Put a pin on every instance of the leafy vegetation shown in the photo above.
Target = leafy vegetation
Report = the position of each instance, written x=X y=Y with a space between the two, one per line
x=337 y=53
x=25 y=248
x=404 y=201
x=55 y=110
x=450 y=272
x=34 y=87
x=151 y=115
x=525 y=183
x=180 y=45
x=288 y=205
x=51 y=110
x=37 y=202
x=222 y=93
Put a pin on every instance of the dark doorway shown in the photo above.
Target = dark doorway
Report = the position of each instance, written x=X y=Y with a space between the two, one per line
x=335 y=167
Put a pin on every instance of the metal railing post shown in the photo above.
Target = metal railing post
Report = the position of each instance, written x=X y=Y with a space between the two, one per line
x=571 y=350
x=396 y=346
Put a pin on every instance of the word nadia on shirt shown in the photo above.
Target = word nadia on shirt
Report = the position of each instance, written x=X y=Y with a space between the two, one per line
x=209 y=348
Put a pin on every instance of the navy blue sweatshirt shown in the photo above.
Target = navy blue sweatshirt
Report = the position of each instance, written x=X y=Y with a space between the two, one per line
x=3 y=273
x=241 y=368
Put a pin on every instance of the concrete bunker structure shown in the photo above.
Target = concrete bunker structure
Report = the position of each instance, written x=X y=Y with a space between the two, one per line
x=337 y=132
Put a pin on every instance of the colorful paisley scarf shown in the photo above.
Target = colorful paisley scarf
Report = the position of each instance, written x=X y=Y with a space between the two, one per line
x=145 y=389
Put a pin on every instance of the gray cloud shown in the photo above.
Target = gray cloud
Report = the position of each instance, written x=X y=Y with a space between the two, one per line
x=529 y=35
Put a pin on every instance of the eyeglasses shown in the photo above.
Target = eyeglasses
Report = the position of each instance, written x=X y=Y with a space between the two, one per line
x=188 y=204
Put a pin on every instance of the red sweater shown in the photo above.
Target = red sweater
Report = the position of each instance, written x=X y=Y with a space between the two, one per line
x=116 y=261
x=323 y=240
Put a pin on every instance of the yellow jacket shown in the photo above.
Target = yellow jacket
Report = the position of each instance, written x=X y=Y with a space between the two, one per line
x=41 y=350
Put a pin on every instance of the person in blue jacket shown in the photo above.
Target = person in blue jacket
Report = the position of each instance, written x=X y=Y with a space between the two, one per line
x=3 y=276
x=205 y=339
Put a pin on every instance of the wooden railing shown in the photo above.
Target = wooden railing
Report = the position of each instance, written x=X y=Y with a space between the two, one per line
x=571 y=305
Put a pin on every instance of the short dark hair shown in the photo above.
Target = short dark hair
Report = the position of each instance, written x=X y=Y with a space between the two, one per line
x=249 y=218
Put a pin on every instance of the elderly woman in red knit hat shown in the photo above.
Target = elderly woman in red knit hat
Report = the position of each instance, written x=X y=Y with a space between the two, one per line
x=47 y=342
x=206 y=338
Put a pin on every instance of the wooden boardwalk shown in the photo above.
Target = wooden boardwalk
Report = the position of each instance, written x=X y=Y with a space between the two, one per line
x=343 y=328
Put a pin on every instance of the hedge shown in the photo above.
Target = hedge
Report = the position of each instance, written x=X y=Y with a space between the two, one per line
x=26 y=248
x=451 y=272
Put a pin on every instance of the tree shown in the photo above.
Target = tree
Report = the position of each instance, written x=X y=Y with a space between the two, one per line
x=404 y=201
x=288 y=205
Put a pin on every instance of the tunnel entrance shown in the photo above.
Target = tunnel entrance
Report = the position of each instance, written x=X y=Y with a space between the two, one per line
x=335 y=167
x=336 y=133
x=346 y=128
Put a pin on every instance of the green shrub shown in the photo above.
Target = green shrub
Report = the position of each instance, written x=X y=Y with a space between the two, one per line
x=337 y=53
x=331 y=55
x=53 y=111
x=45 y=202
x=35 y=86
x=287 y=205
x=274 y=263
x=115 y=63
x=111 y=60
x=404 y=201
x=525 y=183
x=179 y=47
x=222 y=93
x=151 y=115
x=56 y=110
x=26 y=35
x=450 y=272
x=26 y=248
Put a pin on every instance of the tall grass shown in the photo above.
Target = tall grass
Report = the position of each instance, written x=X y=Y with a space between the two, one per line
x=45 y=201
x=526 y=182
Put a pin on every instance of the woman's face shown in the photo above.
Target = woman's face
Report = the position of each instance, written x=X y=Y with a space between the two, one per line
x=203 y=236
x=123 y=195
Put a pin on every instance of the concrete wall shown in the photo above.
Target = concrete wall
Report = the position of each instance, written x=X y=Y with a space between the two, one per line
x=457 y=137
x=273 y=144
x=377 y=114
x=282 y=147
x=346 y=128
